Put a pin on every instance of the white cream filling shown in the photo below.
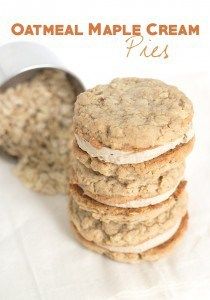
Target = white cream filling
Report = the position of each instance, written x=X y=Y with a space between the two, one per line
x=156 y=241
x=122 y=157
x=147 y=201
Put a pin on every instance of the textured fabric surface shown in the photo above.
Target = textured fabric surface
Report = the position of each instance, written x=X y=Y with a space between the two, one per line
x=39 y=258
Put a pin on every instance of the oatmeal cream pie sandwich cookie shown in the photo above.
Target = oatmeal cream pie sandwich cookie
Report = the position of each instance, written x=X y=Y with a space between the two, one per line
x=134 y=185
x=132 y=120
x=129 y=235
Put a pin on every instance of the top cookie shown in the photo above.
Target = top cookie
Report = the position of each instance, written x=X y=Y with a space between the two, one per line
x=132 y=114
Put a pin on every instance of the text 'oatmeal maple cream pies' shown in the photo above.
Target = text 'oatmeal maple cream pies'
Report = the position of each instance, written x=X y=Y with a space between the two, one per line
x=132 y=137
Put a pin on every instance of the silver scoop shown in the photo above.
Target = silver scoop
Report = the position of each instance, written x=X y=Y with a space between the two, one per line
x=19 y=61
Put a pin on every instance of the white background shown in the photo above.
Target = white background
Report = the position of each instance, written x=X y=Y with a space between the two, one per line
x=39 y=259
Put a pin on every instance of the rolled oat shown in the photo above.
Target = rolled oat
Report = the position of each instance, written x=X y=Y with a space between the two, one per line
x=36 y=119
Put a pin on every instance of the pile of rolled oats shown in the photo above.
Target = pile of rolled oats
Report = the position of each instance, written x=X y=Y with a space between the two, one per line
x=35 y=127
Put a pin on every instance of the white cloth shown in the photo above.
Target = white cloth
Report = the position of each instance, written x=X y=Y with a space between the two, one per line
x=39 y=258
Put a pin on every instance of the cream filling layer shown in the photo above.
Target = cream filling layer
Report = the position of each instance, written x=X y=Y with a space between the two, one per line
x=122 y=157
x=156 y=241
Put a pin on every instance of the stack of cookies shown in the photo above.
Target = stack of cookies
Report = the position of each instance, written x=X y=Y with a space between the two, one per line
x=127 y=193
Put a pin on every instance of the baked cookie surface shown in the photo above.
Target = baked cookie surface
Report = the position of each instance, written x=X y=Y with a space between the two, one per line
x=132 y=114
x=112 y=226
x=112 y=189
x=149 y=255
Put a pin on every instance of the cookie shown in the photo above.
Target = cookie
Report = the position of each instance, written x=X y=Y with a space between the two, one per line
x=109 y=226
x=129 y=185
x=148 y=255
x=132 y=120
x=114 y=191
